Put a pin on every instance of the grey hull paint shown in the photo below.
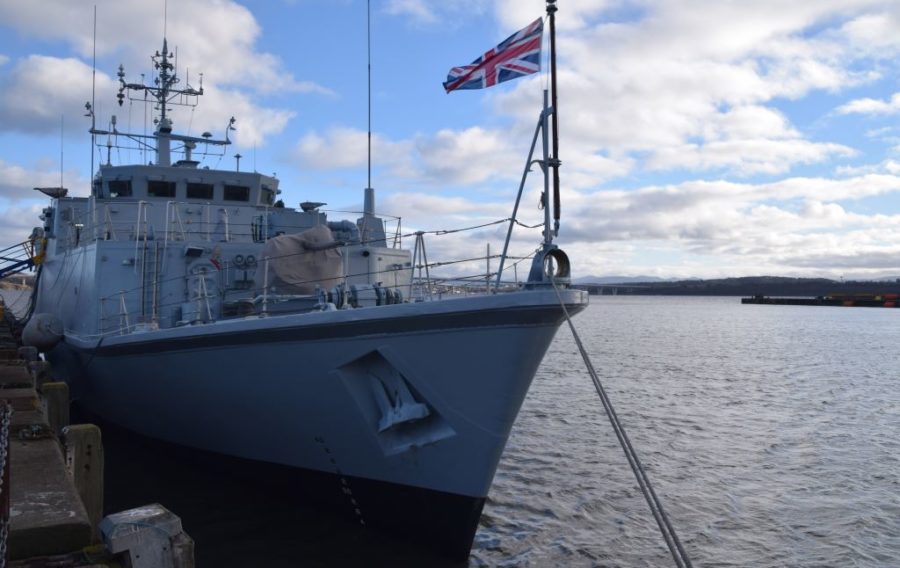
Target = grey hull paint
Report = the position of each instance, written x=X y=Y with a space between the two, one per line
x=297 y=397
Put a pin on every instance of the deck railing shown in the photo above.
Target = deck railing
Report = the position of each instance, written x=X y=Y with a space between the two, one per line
x=18 y=258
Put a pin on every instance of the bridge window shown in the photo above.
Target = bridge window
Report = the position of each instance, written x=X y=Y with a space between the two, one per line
x=237 y=193
x=160 y=188
x=266 y=196
x=199 y=191
x=120 y=188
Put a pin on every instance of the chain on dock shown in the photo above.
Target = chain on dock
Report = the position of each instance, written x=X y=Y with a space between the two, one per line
x=656 y=508
x=5 y=413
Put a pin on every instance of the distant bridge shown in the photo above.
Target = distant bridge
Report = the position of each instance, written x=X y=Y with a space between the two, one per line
x=609 y=289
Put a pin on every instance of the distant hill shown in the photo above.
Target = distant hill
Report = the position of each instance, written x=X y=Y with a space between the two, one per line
x=616 y=279
x=745 y=286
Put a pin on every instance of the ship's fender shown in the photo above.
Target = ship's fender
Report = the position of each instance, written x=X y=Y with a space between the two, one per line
x=42 y=331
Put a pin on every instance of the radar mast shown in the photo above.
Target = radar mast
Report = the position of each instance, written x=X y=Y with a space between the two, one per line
x=163 y=93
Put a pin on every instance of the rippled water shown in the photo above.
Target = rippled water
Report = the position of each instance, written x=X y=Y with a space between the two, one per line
x=770 y=433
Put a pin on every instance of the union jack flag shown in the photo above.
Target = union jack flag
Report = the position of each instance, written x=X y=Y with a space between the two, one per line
x=517 y=56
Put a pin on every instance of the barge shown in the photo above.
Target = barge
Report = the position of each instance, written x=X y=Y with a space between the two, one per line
x=847 y=300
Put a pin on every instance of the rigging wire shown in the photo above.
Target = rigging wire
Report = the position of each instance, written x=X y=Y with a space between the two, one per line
x=656 y=507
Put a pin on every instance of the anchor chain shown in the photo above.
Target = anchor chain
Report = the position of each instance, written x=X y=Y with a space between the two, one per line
x=6 y=412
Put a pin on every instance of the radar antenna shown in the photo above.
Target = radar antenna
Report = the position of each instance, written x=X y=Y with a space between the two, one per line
x=164 y=89
x=164 y=93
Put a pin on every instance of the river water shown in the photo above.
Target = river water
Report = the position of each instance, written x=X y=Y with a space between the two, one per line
x=771 y=433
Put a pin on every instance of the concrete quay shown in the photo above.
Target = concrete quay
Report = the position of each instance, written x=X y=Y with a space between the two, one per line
x=46 y=514
x=52 y=491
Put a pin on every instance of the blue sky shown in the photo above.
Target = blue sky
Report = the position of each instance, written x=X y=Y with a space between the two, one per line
x=699 y=138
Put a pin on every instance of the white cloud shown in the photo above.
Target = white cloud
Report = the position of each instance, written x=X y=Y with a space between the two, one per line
x=746 y=157
x=709 y=229
x=572 y=14
x=448 y=158
x=39 y=90
x=469 y=156
x=418 y=10
x=782 y=227
x=342 y=147
x=746 y=140
x=691 y=85
x=211 y=36
x=887 y=166
x=424 y=209
x=4 y=59
x=796 y=226
x=876 y=33
x=16 y=222
x=871 y=106
x=254 y=124
x=425 y=13
x=216 y=38
x=18 y=183
x=829 y=189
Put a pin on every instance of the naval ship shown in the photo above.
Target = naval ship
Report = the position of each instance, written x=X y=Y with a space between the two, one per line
x=188 y=304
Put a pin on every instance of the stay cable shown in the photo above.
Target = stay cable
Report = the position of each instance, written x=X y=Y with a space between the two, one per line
x=656 y=508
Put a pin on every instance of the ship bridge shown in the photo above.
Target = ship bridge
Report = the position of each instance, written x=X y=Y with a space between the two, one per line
x=185 y=182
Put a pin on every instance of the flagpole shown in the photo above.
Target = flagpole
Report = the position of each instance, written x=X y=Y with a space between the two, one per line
x=554 y=162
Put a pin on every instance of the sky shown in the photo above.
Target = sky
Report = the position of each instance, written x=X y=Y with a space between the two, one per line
x=698 y=139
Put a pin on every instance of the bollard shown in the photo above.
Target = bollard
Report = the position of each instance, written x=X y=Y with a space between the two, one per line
x=84 y=460
x=148 y=537
x=41 y=373
x=56 y=405
x=28 y=353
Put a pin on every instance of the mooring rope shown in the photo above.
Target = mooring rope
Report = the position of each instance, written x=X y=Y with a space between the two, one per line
x=656 y=507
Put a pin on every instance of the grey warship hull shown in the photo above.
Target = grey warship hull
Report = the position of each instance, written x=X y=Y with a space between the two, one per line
x=403 y=411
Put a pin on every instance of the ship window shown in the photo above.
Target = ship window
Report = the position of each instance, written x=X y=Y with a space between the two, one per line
x=237 y=193
x=266 y=196
x=199 y=191
x=161 y=189
x=120 y=188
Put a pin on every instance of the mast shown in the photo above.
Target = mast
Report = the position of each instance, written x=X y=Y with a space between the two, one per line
x=93 y=100
x=164 y=92
x=369 y=62
x=554 y=162
x=369 y=197
x=166 y=81
x=371 y=228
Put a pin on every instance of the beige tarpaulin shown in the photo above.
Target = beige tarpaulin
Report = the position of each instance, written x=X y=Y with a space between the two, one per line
x=301 y=261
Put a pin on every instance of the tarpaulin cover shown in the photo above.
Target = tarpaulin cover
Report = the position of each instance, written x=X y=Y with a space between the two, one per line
x=301 y=261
